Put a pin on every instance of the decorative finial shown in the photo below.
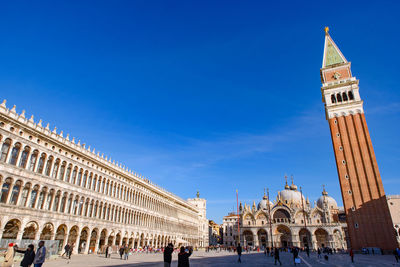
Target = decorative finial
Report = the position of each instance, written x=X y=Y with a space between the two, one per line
x=3 y=104
x=326 y=30
x=324 y=193
x=286 y=185
x=198 y=194
x=291 y=177
x=31 y=119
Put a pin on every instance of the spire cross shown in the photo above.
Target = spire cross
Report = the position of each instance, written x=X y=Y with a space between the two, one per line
x=286 y=178
x=292 y=178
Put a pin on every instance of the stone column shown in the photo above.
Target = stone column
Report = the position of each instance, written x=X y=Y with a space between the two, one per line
x=20 y=233
x=296 y=240
x=9 y=151
x=86 y=250
x=255 y=238
x=313 y=242
x=96 y=247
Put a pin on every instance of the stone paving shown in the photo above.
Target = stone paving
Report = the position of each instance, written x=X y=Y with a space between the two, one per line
x=223 y=259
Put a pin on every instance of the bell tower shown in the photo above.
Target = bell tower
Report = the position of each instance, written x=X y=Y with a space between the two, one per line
x=367 y=212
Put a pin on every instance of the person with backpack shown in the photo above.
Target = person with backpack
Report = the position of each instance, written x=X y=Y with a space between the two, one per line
x=239 y=252
x=276 y=256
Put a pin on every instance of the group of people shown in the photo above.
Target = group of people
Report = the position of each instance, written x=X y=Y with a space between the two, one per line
x=30 y=256
x=183 y=255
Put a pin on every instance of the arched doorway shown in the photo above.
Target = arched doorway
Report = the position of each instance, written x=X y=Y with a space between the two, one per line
x=73 y=235
x=284 y=236
x=321 y=236
x=60 y=236
x=111 y=239
x=262 y=238
x=30 y=231
x=47 y=232
x=92 y=242
x=305 y=238
x=118 y=239
x=83 y=240
x=11 y=229
x=102 y=240
x=248 y=238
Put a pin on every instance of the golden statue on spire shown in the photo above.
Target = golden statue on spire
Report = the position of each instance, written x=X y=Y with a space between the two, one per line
x=326 y=30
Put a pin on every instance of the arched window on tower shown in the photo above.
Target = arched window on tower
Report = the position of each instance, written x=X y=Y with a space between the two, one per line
x=351 y=96
x=344 y=96
x=333 y=99
x=32 y=162
x=339 y=97
x=48 y=165
x=5 y=189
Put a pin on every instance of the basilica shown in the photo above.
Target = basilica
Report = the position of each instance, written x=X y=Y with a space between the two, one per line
x=290 y=220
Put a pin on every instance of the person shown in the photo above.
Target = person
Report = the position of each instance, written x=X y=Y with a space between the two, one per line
x=69 y=252
x=183 y=256
x=121 y=251
x=168 y=255
x=126 y=252
x=265 y=251
x=351 y=253
x=29 y=255
x=239 y=252
x=40 y=256
x=295 y=255
x=276 y=256
x=107 y=248
x=268 y=251
x=66 y=250
x=9 y=257
x=319 y=252
x=308 y=251
x=396 y=255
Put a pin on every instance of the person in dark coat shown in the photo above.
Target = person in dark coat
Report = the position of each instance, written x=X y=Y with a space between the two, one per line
x=29 y=256
x=107 y=248
x=239 y=252
x=183 y=257
x=168 y=255
x=121 y=251
x=276 y=256
x=295 y=255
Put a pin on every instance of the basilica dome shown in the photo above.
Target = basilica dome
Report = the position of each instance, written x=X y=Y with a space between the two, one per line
x=263 y=204
x=331 y=202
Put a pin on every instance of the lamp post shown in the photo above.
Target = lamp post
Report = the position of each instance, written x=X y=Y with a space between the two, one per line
x=270 y=222
x=237 y=206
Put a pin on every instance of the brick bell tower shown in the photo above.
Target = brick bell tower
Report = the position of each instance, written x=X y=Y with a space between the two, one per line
x=367 y=212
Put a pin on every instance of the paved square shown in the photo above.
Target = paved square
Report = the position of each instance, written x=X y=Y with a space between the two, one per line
x=223 y=259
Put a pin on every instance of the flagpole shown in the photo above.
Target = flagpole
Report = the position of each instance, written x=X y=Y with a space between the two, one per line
x=304 y=214
x=270 y=222
x=237 y=206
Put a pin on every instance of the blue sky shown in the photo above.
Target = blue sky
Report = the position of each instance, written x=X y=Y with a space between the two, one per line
x=204 y=95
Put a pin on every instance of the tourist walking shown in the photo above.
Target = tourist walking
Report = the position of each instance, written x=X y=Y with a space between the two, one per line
x=319 y=253
x=183 y=256
x=9 y=256
x=308 y=251
x=396 y=255
x=126 y=252
x=351 y=253
x=276 y=256
x=121 y=251
x=107 y=248
x=69 y=252
x=40 y=256
x=295 y=255
x=239 y=252
x=29 y=255
x=168 y=255
x=66 y=250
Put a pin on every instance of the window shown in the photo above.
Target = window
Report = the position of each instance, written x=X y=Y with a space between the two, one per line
x=356 y=225
x=41 y=163
x=349 y=192
x=353 y=208
x=15 y=193
x=79 y=177
x=333 y=99
x=338 y=134
x=24 y=157
x=346 y=176
x=344 y=95
x=32 y=162
x=55 y=169
x=4 y=150
x=62 y=171
x=4 y=191
x=351 y=96
x=68 y=173
x=73 y=180
x=33 y=198
x=343 y=162
x=24 y=196
x=339 y=97
x=340 y=148
x=14 y=154
x=48 y=165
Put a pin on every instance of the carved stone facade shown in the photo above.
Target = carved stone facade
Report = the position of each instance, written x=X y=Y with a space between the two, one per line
x=56 y=189
x=291 y=220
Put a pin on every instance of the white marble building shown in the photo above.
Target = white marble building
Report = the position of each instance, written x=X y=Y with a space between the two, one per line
x=55 y=188
x=294 y=222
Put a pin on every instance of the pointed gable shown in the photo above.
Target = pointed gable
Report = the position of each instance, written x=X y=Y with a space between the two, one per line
x=332 y=54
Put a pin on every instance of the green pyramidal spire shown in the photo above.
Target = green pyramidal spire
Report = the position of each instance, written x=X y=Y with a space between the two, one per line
x=332 y=54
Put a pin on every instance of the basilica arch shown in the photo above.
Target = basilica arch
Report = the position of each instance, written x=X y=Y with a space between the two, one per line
x=283 y=236
x=321 y=236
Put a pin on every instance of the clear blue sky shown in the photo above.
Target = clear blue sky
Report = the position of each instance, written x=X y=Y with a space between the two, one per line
x=204 y=95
